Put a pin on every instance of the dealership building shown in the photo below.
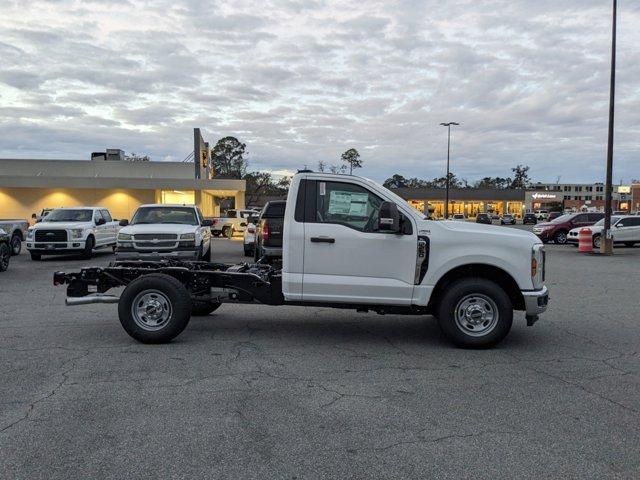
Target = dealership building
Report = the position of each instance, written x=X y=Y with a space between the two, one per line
x=108 y=180
x=517 y=202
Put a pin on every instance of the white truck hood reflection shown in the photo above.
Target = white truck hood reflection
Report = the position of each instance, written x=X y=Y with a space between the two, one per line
x=62 y=225
x=479 y=229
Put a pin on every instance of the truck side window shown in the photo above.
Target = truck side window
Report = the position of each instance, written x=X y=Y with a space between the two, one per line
x=106 y=215
x=231 y=214
x=347 y=204
x=96 y=216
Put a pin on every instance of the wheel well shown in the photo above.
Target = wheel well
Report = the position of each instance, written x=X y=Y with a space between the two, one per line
x=17 y=233
x=479 y=270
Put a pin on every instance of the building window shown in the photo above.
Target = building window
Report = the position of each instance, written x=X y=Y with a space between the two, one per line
x=567 y=188
x=577 y=197
x=589 y=189
x=598 y=197
x=587 y=197
x=567 y=197
x=599 y=188
x=579 y=189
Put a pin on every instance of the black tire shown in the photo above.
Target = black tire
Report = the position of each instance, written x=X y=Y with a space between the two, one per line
x=560 y=238
x=248 y=251
x=629 y=244
x=200 y=308
x=16 y=245
x=5 y=256
x=216 y=234
x=36 y=257
x=87 y=253
x=172 y=292
x=596 y=240
x=207 y=256
x=256 y=253
x=461 y=293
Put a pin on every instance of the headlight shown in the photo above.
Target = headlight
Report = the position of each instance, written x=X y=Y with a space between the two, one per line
x=188 y=236
x=123 y=237
x=76 y=232
x=30 y=233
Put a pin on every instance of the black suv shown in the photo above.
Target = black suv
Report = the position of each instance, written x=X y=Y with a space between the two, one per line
x=529 y=218
x=269 y=231
x=5 y=250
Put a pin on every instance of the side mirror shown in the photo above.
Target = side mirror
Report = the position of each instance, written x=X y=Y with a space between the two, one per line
x=206 y=223
x=389 y=218
x=101 y=221
x=124 y=222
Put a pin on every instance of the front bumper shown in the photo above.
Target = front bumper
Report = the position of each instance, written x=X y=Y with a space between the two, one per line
x=191 y=254
x=544 y=235
x=535 y=302
x=55 y=248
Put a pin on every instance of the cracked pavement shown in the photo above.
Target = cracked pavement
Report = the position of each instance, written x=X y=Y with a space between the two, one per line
x=288 y=392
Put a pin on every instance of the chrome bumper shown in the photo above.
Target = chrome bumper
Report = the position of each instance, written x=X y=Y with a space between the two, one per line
x=181 y=254
x=535 y=302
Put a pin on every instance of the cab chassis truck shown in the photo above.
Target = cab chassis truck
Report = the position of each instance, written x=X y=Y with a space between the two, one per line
x=348 y=243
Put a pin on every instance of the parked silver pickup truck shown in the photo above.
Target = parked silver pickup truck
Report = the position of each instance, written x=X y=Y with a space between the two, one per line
x=17 y=231
x=234 y=222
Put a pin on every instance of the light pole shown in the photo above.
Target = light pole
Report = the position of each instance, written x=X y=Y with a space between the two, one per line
x=606 y=246
x=446 y=198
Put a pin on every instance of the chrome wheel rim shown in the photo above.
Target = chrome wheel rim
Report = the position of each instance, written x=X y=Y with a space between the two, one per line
x=15 y=245
x=596 y=242
x=151 y=310
x=561 y=238
x=476 y=315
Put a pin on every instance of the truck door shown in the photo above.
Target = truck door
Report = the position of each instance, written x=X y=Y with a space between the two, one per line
x=99 y=229
x=346 y=258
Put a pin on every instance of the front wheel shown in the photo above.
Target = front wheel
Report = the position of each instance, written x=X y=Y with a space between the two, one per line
x=560 y=238
x=16 y=245
x=87 y=253
x=5 y=255
x=475 y=313
x=155 y=308
x=597 y=240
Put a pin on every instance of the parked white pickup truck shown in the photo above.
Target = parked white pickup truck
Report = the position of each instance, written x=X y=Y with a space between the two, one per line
x=348 y=243
x=79 y=230
x=165 y=231
x=17 y=231
x=234 y=222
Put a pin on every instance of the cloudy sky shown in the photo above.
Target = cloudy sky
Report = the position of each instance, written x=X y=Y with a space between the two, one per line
x=303 y=80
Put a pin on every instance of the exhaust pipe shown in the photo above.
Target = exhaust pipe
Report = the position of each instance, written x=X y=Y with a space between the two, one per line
x=72 y=301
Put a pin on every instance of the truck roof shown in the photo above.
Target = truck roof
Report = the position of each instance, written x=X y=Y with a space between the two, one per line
x=168 y=205
x=83 y=207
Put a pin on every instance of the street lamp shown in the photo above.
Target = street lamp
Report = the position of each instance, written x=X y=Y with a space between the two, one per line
x=606 y=246
x=446 y=198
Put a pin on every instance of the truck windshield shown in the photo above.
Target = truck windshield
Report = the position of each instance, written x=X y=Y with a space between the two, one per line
x=179 y=215
x=68 y=215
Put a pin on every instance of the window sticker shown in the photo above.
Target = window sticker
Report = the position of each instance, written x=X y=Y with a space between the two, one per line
x=323 y=189
x=348 y=203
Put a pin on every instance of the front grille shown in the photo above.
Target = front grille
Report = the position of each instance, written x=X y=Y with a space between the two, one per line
x=155 y=236
x=153 y=245
x=51 y=235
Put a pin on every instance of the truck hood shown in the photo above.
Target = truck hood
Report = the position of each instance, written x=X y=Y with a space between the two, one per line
x=175 y=228
x=62 y=225
x=484 y=230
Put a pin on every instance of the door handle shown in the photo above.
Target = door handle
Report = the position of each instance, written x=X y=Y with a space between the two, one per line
x=323 y=240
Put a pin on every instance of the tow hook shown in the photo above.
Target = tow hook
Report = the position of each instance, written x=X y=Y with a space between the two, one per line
x=531 y=319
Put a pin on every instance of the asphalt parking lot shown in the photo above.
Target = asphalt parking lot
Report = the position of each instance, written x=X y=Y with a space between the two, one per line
x=289 y=392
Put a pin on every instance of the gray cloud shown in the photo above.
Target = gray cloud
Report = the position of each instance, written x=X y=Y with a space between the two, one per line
x=302 y=81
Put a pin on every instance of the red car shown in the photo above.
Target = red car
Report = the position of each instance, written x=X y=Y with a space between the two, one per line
x=558 y=229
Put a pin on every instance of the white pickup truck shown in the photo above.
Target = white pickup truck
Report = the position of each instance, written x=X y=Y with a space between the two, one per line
x=165 y=231
x=348 y=243
x=234 y=222
x=17 y=231
x=75 y=230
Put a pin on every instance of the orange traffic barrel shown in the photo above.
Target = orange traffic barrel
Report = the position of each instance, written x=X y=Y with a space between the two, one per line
x=585 y=241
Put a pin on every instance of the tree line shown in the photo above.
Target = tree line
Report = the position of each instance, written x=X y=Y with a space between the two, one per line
x=519 y=180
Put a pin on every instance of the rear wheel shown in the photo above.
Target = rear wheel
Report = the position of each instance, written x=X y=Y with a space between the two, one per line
x=16 y=245
x=155 y=308
x=560 y=238
x=207 y=256
x=216 y=234
x=475 y=313
x=5 y=255
x=597 y=240
x=201 y=308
